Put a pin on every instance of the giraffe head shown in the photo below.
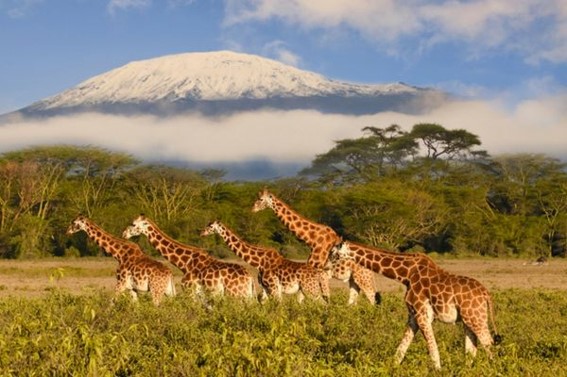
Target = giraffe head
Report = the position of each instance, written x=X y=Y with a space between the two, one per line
x=78 y=224
x=140 y=225
x=212 y=228
x=265 y=200
x=341 y=251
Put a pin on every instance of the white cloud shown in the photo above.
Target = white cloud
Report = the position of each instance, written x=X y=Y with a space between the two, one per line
x=535 y=29
x=279 y=51
x=115 y=5
x=18 y=8
x=179 y=3
x=534 y=125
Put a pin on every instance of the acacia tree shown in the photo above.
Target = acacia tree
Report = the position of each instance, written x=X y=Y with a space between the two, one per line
x=523 y=193
x=440 y=142
x=31 y=182
x=165 y=193
x=390 y=213
x=93 y=175
x=361 y=160
x=383 y=151
x=552 y=198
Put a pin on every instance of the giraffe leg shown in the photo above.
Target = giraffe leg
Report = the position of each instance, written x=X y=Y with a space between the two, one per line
x=263 y=295
x=424 y=318
x=364 y=279
x=353 y=291
x=246 y=288
x=125 y=284
x=475 y=320
x=272 y=285
x=134 y=295
x=324 y=286
x=315 y=285
x=300 y=296
x=409 y=334
x=158 y=289
x=470 y=341
x=171 y=291
x=480 y=332
x=156 y=296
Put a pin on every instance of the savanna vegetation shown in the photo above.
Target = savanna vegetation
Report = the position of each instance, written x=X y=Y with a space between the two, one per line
x=68 y=335
x=429 y=189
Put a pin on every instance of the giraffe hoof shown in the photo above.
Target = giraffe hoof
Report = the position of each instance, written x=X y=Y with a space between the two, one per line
x=377 y=298
x=497 y=338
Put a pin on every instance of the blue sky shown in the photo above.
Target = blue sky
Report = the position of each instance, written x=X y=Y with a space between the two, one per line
x=508 y=56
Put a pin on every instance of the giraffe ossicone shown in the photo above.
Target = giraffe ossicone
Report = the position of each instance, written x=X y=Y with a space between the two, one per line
x=321 y=239
x=432 y=293
x=136 y=271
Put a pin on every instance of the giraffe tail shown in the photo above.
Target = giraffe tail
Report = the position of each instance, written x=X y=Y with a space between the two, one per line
x=496 y=338
x=377 y=298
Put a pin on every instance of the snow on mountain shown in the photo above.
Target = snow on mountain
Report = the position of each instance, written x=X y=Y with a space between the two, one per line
x=224 y=81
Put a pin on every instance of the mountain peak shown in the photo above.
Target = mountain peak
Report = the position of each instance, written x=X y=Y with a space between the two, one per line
x=211 y=82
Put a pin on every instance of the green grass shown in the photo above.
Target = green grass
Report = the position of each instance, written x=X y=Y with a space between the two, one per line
x=83 y=335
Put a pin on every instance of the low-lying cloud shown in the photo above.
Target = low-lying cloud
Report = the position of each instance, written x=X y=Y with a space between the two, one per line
x=531 y=126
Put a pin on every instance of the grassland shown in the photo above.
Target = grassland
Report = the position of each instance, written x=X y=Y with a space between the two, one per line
x=56 y=319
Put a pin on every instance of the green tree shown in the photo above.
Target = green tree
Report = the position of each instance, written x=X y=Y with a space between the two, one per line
x=163 y=192
x=440 y=142
x=392 y=213
x=377 y=153
x=31 y=186
x=93 y=175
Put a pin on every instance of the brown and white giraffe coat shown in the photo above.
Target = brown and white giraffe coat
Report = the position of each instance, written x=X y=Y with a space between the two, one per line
x=276 y=274
x=321 y=239
x=200 y=269
x=432 y=293
x=136 y=271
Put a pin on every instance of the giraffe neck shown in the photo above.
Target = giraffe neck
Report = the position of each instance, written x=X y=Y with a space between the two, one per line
x=296 y=223
x=173 y=250
x=400 y=267
x=320 y=238
x=255 y=256
x=110 y=244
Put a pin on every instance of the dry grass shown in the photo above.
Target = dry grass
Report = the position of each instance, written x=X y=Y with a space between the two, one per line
x=84 y=275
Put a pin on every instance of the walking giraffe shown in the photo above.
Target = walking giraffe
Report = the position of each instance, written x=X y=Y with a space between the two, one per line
x=276 y=274
x=199 y=268
x=432 y=293
x=321 y=239
x=136 y=271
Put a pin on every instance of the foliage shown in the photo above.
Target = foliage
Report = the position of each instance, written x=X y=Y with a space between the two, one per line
x=429 y=189
x=61 y=334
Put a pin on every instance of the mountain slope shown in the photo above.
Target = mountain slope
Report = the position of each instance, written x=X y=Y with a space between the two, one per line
x=223 y=82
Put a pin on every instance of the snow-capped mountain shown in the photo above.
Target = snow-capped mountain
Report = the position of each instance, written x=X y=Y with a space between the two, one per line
x=217 y=83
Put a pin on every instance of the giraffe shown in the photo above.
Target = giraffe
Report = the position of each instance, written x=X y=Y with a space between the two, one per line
x=321 y=239
x=136 y=271
x=276 y=274
x=432 y=293
x=199 y=268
